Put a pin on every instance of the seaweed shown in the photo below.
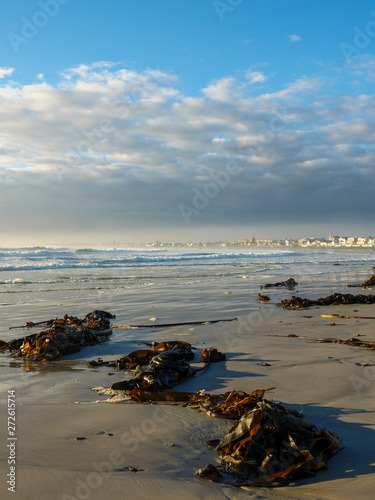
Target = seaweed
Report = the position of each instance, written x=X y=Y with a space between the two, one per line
x=271 y=445
x=331 y=300
x=370 y=283
x=160 y=368
x=65 y=336
x=289 y=283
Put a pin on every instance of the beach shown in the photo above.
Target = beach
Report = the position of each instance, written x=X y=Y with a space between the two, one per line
x=55 y=403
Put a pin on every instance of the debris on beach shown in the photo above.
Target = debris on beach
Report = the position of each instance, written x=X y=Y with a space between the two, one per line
x=370 y=283
x=169 y=325
x=212 y=355
x=231 y=405
x=65 y=336
x=332 y=300
x=345 y=317
x=132 y=468
x=268 y=445
x=263 y=298
x=160 y=368
x=289 y=283
x=271 y=445
x=353 y=341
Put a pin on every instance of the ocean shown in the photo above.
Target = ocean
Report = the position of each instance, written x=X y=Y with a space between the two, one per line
x=55 y=281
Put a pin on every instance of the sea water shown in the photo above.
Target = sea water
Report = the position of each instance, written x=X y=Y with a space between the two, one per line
x=137 y=284
x=46 y=275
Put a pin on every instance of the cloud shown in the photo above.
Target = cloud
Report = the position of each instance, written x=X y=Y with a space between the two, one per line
x=255 y=77
x=224 y=89
x=363 y=66
x=295 y=38
x=108 y=148
x=6 y=72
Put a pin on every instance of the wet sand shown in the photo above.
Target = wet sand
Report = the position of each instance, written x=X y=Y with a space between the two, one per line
x=168 y=444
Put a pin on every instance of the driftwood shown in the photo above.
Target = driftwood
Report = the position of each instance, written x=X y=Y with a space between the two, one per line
x=168 y=325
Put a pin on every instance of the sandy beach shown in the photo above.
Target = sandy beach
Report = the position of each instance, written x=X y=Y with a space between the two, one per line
x=56 y=404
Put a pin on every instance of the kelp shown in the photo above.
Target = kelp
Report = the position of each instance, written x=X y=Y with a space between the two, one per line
x=345 y=317
x=65 y=336
x=170 y=325
x=263 y=298
x=212 y=355
x=370 y=283
x=268 y=445
x=289 y=283
x=271 y=445
x=353 y=341
x=331 y=300
x=230 y=405
x=160 y=368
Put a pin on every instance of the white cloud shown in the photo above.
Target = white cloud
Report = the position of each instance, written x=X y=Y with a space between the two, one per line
x=224 y=89
x=295 y=38
x=6 y=72
x=255 y=77
x=125 y=147
x=301 y=85
x=363 y=66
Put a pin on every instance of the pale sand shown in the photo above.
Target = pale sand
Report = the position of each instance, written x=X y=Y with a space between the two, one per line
x=327 y=380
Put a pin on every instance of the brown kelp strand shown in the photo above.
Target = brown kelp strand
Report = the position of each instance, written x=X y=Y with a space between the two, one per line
x=263 y=298
x=230 y=405
x=171 y=325
x=289 y=283
x=353 y=341
x=65 y=336
x=332 y=300
x=366 y=284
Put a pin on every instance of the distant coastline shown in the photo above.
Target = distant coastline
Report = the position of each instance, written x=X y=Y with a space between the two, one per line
x=332 y=242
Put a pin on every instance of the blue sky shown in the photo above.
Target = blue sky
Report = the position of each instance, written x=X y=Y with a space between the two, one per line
x=144 y=104
x=198 y=40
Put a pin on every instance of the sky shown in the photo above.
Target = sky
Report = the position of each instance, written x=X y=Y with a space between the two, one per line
x=201 y=120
